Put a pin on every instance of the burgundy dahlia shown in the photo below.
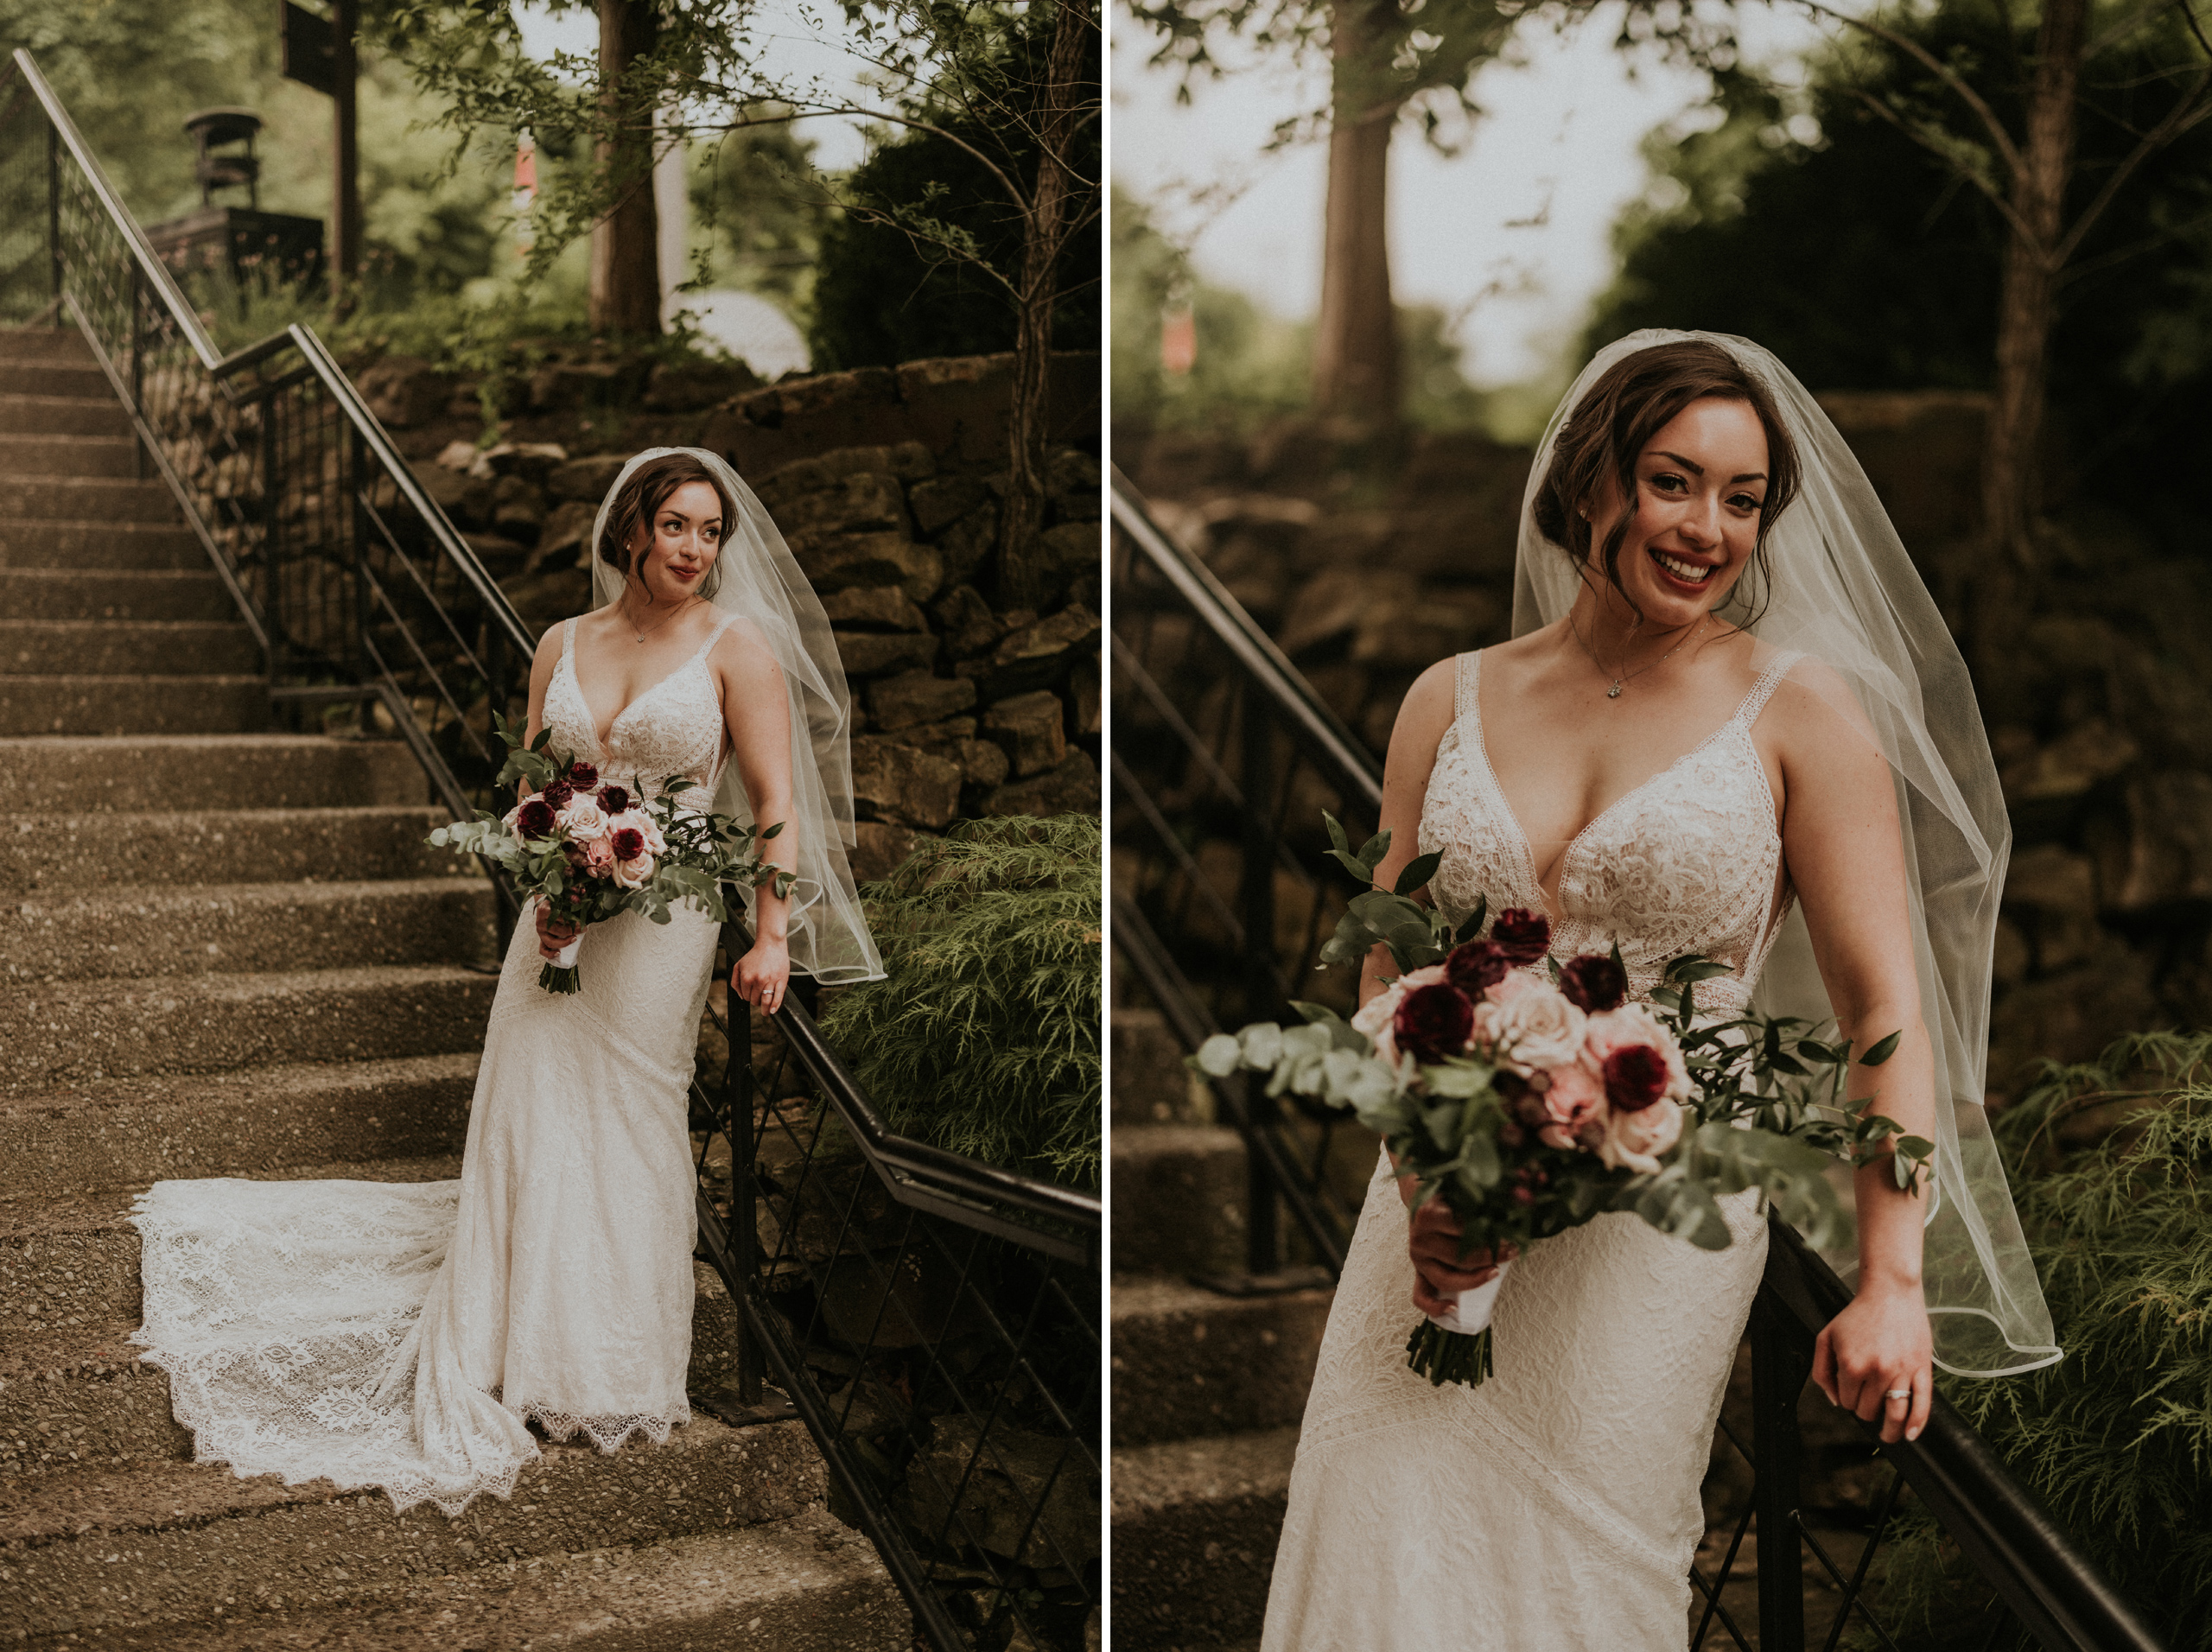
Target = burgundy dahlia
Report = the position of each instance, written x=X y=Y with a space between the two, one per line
x=1476 y=965
x=557 y=795
x=1523 y=936
x=535 y=819
x=1434 y=1022
x=629 y=843
x=613 y=799
x=1594 y=982
x=582 y=776
x=1636 y=1077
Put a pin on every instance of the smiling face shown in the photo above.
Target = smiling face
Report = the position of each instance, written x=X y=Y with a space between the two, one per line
x=673 y=554
x=1700 y=482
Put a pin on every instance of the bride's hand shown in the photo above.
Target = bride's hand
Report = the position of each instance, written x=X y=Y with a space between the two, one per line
x=553 y=933
x=1877 y=1346
x=761 y=974
x=1440 y=1272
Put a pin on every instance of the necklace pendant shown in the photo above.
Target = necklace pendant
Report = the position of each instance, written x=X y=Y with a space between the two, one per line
x=1614 y=693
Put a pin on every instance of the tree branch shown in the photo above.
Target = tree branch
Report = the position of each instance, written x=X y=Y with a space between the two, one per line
x=1995 y=197
x=1998 y=137
x=2191 y=111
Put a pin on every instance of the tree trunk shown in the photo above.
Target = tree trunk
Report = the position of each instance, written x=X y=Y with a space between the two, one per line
x=2026 y=305
x=1355 y=344
x=625 y=254
x=1025 y=579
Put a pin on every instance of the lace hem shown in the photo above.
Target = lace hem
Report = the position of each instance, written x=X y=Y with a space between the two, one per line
x=608 y=1435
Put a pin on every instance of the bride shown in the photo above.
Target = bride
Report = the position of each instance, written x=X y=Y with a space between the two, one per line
x=1730 y=722
x=407 y=1336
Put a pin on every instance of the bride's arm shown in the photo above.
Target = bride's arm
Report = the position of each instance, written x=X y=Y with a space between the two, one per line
x=756 y=708
x=1440 y=1272
x=1845 y=850
x=552 y=934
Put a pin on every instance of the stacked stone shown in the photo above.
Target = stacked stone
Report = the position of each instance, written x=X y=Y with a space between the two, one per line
x=888 y=484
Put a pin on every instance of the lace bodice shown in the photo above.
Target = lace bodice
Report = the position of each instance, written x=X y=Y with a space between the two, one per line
x=1689 y=861
x=673 y=727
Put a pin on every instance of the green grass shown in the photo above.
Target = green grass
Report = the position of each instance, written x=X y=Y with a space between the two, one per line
x=983 y=1037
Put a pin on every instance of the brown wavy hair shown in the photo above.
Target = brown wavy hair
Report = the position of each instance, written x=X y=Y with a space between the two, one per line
x=640 y=501
x=1616 y=419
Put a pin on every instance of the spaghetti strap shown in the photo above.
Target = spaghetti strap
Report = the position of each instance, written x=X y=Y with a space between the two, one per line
x=723 y=620
x=1763 y=690
x=1464 y=692
x=569 y=642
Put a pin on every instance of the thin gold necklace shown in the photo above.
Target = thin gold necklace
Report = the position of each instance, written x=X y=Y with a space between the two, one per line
x=671 y=614
x=1622 y=682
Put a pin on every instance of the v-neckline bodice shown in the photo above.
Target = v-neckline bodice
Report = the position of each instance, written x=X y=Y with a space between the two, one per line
x=601 y=742
x=1754 y=700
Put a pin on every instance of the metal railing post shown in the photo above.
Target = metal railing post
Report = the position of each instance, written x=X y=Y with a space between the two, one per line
x=744 y=1191
x=1779 y=1373
x=1256 y=910
x=138 y=366
x=54 y=216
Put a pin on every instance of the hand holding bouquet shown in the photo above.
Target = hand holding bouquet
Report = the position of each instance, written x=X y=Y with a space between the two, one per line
x=591 y=851
x=1532 y=1102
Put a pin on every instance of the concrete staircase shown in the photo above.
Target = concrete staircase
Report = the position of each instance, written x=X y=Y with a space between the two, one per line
x=227 y=951
x=1207 y=1389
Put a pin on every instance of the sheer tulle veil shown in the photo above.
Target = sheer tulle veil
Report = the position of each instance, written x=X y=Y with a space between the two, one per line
x=761 y=581
x=1843 y=589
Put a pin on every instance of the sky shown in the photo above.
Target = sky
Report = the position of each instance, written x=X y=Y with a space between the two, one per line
x=1511 y=235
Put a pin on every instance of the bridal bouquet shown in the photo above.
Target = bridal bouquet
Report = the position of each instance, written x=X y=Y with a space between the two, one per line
x=1531 y=1103
x=591 y=851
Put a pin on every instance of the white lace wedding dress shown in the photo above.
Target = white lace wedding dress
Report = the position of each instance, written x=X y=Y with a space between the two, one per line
x=1556 y=1508
x=400 y=1336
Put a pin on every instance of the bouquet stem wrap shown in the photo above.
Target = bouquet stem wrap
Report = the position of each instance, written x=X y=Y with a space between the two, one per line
x=1455 y=1347
x=561 y=975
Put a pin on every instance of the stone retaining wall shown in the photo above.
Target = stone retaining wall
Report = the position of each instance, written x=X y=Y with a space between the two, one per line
x=887 y=484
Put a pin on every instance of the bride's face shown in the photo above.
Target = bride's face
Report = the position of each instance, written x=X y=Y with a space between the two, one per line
x=1700 y=481
x=679 y=547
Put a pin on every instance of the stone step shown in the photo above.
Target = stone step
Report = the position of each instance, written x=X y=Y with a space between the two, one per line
x=1151 y=1084
x=128 y=1133
x=807 y=1583
x=86 y=382
x=63 y=344
x=191 y=1542
x=76 y=1393
x=103 y=705
x=47 y=454
x=100 y=594
x=69 y=1265
x=1195 y=1527
x=125 y=933
x=86 y=499
x=81 y=1032
x=106 y=648
x=1178 y=1199
x=72 y=852
x=144 y=774
x=1189 y=1362
x=40 y=542
x=64 y=416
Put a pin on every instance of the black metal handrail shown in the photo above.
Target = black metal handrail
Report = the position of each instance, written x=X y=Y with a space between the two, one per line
x=357 y=587
x=2052 y=1591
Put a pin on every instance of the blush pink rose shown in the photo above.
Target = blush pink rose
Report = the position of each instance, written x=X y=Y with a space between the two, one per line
x=1635 y=1140
x=1377 y=1016
x=1610 y=1032
x=593 y=857
x=1573 y=1102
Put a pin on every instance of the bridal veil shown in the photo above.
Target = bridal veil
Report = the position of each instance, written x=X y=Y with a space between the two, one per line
x=1843 y=589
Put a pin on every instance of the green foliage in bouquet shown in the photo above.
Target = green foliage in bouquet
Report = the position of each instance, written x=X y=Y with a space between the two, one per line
x=982 y=1038
x=2117 y=1437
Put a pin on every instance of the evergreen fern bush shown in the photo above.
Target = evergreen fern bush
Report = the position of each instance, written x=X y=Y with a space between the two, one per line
x=983 y=1037
x=2117 y=1437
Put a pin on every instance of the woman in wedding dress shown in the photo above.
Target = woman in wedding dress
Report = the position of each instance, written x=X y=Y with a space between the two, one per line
x=407 y=1336
x=1730 y=723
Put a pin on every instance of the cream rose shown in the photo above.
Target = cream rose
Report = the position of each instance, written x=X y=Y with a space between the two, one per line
x=582 y=817
x=1379 y=1013
x=1529 y=1026
x=1635 y=1140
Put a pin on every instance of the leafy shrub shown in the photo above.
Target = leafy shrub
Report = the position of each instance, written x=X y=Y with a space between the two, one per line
x=983 y=1039
x=2117 y=1437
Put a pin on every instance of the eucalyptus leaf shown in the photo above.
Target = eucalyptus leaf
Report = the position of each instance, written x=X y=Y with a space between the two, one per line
x=1218 y=1057
x=1418 y=872
x=1883 y=1050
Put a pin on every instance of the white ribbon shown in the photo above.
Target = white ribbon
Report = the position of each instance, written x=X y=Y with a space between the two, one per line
x=1473 y=1312
x=566 y=958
